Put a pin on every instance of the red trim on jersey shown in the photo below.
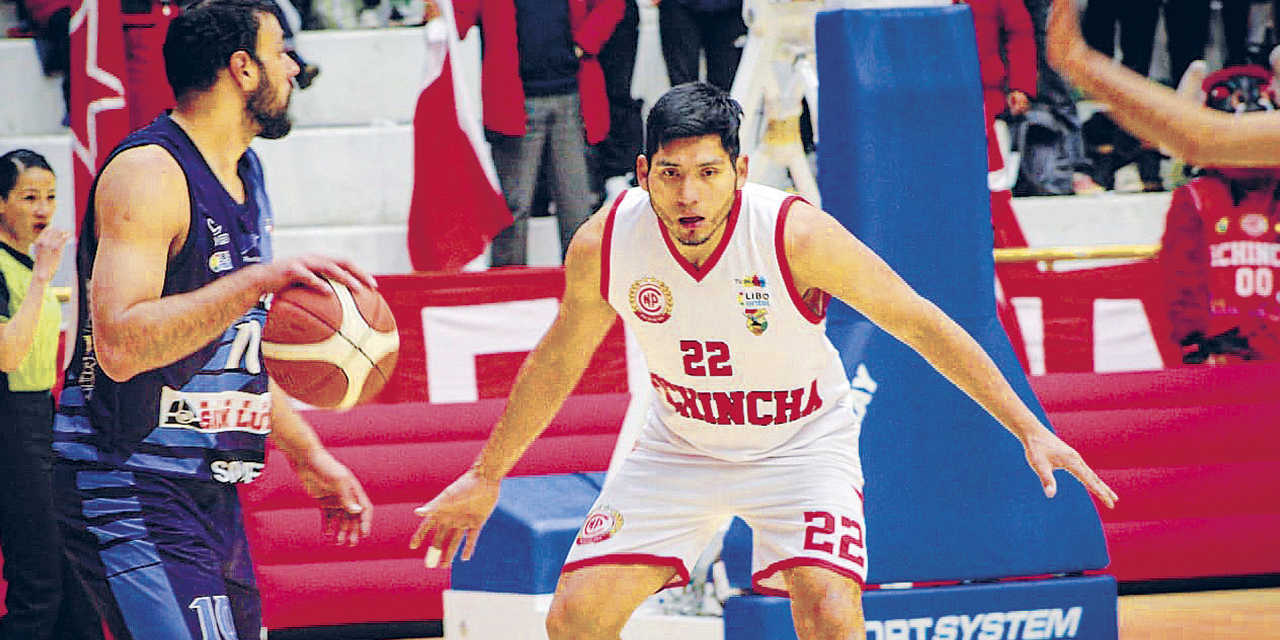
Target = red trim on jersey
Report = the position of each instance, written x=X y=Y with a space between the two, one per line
x=606 y=245
x=679 y=580
x=782 y=565
x=699 y=273
x=780 y=245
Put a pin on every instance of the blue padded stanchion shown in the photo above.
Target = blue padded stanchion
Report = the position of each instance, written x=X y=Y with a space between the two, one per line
x=525 y=541
x=902 y=164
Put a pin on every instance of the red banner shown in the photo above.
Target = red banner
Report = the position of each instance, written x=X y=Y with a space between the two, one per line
x=464 y=336
x=99 y=118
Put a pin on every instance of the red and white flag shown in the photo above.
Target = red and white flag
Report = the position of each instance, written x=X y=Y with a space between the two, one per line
x=99 y=118
x=457 y=205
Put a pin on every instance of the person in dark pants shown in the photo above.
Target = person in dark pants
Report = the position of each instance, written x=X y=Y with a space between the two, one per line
x=45 y=599
x=691 y=28
x=1188 y=21
x=615 y=156
x=1137 y=21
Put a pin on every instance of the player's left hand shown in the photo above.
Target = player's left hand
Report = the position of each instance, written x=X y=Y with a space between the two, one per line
x=345 y=510
x=1046 y=452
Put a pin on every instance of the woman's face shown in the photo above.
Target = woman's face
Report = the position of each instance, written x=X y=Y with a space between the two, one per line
x=28 y=208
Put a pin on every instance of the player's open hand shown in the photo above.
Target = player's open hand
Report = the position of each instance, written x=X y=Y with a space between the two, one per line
x=345 y=510
x=1063 y=39
x=1046 y=452
x=457 y=513
x=310 y=271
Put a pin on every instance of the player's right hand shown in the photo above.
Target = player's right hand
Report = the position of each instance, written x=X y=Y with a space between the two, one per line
x=456 y=514
x=311 y=270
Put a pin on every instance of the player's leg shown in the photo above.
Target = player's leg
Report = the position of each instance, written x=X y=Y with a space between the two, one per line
x=653 y=518
x=594 y=602
x=148 y=553
x=809 y=533
x=824 y=604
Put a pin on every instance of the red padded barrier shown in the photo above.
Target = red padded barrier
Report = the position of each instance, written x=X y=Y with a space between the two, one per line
x=1194 y=453
x=403 y=454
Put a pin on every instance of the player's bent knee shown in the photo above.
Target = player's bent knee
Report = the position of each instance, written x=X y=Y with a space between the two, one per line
x=829 y=618
x=577 y=619
x=825 y=606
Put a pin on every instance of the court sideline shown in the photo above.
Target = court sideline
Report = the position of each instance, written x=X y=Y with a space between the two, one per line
x=1247 y=614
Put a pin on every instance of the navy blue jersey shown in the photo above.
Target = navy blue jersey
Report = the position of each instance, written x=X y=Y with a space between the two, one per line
x=205 y=416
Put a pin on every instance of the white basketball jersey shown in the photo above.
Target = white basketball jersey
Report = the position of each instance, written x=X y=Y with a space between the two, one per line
x=740 y=362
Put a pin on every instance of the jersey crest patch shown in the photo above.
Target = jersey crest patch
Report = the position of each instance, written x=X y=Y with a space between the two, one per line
x=1254 y=224
x=601 y=524
x=651 y=300
x=753 y=297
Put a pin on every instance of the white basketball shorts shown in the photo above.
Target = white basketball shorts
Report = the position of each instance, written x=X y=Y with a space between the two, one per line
x=662 y=509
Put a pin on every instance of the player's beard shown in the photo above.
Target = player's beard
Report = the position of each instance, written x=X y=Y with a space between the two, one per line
x=273 y=123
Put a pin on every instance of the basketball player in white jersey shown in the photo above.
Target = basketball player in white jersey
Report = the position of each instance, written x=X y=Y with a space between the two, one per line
x=725 y=284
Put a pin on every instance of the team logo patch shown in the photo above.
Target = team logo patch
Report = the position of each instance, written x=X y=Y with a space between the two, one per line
x=1254 y=224
x=753 y=297
x=1222 y=225
x=651 y=300
x=220 y=261
x=601 y=524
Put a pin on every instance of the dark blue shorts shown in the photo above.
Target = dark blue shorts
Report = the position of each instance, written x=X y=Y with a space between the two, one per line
x=164 y=558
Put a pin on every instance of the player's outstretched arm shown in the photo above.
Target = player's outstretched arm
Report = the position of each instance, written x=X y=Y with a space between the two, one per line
x=346 y=512
x=545 y=380
x=143 y=216
x=1155 y=113
x=825 y=256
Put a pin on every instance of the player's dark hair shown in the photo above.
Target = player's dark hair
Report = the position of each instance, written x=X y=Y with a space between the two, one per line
x=202 y=38
x=12 y=165
x=691 y=110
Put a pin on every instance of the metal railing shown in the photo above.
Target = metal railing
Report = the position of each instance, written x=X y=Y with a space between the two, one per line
x=1050 y=255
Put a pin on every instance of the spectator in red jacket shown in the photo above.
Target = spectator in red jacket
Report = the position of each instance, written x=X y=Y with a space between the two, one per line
x=562 y=93
x=1221 y=242
x=1006 y=55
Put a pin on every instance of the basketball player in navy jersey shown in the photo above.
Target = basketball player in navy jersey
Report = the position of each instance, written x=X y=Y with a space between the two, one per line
x=166 y=406
x=717 y=277
x=1200 y=135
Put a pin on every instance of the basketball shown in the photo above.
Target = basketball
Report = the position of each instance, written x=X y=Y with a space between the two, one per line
x=332 y=349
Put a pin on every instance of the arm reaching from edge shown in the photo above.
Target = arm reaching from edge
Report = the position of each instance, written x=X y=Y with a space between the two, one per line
x=546 y=379
x=825 y=256
x=1155 y=113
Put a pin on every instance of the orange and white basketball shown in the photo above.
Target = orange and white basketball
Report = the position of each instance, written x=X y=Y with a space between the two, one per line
x=332 y=349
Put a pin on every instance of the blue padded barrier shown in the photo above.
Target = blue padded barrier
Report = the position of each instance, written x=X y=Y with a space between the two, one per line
x=524 y=544
x=1082 y=608
x=902 y=164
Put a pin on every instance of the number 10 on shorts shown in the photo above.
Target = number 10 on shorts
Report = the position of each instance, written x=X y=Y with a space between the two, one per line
x=216 y=622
